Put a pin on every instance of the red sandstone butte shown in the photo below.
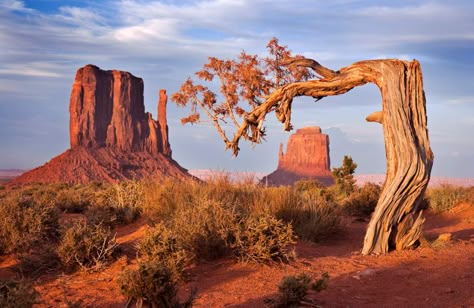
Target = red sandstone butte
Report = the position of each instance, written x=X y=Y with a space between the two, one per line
x=306 y=157
x=112 y=137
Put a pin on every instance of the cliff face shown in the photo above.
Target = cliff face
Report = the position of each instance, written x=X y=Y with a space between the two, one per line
x=307 y=156
x=106 y=109
x=112 y=137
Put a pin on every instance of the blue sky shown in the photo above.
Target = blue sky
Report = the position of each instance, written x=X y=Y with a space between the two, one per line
x=44 y=42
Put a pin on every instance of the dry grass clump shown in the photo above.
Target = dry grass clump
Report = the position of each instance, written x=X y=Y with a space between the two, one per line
x=26 y=222
x=446 y=197
x=312 y=213
x=14 y=294
x=87 y=246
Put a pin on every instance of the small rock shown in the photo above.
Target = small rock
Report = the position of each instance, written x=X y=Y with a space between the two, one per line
x=445 y=237
x=368 y=272
x=447 y=290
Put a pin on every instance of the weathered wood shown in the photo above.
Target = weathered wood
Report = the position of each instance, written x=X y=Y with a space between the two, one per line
x=397 y=220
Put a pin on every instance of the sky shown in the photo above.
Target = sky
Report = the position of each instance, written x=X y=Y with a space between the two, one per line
x=44 y=42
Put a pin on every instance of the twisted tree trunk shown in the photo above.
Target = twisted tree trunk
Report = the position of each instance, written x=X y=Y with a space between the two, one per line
x=397 y=220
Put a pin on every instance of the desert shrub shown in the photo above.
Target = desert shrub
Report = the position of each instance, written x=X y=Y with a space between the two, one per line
x=117 y=204
x=26 y=222
x=111 y=215
x=363 y=201
x=87 y=246
x=205 y=228
x=160 y=245
x=293 y=289
x=151 y=283
x=263 y=239
x=15 y=294
x=77 y=198
x=43 y=259
x=446 y=197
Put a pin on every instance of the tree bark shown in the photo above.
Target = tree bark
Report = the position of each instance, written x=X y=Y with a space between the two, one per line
x=397 y=220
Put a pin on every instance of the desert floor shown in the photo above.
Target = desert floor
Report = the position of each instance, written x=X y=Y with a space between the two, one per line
x=440 y=275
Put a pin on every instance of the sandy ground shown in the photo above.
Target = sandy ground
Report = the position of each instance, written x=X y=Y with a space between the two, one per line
x=441 y=276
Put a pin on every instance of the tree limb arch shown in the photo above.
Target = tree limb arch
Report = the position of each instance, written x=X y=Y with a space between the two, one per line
x=397 y=220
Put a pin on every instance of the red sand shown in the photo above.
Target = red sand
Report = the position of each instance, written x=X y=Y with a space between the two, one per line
x=425 y=277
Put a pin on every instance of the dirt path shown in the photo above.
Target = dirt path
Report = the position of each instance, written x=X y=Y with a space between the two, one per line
x=441 y=276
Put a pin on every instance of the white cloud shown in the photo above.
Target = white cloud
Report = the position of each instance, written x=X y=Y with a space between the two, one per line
x=461 y=100
x=13 y=5
x=155 y=29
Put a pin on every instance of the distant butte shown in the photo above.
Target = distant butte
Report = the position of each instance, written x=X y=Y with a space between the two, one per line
x=306 y=157
x=112 y=137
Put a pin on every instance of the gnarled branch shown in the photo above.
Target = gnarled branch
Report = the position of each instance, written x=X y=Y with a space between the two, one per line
x=397 y=220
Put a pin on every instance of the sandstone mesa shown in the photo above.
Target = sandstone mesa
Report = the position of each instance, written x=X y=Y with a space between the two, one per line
x=112 y=137
x=307 y=156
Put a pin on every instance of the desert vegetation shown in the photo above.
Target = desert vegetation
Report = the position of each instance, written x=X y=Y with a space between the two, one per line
x=64 y=228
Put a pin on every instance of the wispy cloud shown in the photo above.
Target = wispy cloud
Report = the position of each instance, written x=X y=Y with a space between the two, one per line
x=166 y=41
x=461 y=100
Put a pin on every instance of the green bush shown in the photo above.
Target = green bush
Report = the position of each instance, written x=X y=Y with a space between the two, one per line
x=15 y=294
x=26 y=222
x=153 y=284
x=344 y=178
x=292 y=289
x=160 y=245
x=263 y=239
x=363 y=201
x=446 y=197
x=86 y=246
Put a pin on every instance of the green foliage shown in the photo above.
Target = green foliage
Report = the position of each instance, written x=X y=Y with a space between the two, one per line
x=362 y=201
x=264 y=239
x=343 y=177
x=87 y=246
x=26 y=222
x=446 y=197
x=15 y=294
x=322 y=283
x=293 y=289
x=153 y=284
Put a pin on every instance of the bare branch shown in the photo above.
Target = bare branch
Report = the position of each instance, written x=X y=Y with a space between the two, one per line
x=313 y=64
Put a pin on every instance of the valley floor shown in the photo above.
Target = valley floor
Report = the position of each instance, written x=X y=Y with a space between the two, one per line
x=440 y=275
